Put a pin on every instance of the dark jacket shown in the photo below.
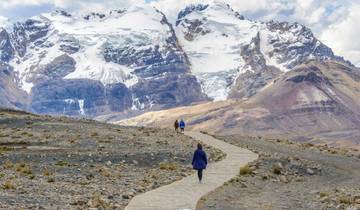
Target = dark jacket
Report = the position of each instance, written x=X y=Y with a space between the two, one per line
x=199 y=159
x=182 y=124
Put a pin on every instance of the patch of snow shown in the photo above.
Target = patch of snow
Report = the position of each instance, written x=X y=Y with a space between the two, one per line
x=90 y=64
x=136 y=18
x=69 y=101
x=139 y=27
x=220 y=49
x=136 y=104
x=26 y=86
x=267 y=48
x=81 y=106
x=217 y=85
x=215 y=56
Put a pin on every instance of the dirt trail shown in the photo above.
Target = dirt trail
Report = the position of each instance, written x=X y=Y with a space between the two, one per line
x=184 y=194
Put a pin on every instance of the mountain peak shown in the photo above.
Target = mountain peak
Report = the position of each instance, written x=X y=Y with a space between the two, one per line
x=213 y=51
x=213 y=9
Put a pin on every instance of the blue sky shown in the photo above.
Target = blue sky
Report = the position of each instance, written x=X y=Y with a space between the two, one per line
x=335 y=22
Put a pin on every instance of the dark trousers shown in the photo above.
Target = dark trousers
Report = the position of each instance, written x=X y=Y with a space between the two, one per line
x=200 y=174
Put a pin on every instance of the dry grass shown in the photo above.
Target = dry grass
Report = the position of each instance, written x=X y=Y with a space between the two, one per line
x=94 y=134
x=5 y=149
x=8 y=185
x=245 y=170
x=345 y=199
x=324 y=194
x=2 y=135
x=62 y=163
x=24 y=133
x=276 y=169
x=8 y=164
x=267 y=207
x=50 y=180
x=105 y=172
x=47 y=136
x=46 y=172
x=168 y=166
x=23 y=169
x=99 y=203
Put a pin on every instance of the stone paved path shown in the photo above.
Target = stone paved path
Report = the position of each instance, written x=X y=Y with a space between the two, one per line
x=185 y=193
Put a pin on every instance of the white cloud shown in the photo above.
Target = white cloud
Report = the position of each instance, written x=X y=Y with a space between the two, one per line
x=7 y=4
x=343 y=36
x=70 y=4
x=3 y=21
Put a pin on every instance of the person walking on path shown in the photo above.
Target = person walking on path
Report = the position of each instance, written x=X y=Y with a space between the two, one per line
x=199 y=161
x=182 y=125
x=176 y=125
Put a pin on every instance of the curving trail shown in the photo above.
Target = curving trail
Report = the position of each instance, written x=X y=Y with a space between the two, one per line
x=185 y=193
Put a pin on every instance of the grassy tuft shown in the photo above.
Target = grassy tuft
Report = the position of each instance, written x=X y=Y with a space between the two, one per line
x=276 y=169
x=105 y=172
x=50 y=180
x=93 y=134
x=8 y=164
x=345 y=199
x=23 y=169
x=8 y=185
x=5 y=149
x=46 y=172
x=62 y=163
x=97 y=202
x=245 y=170
x=168 y=166
x=324 y=194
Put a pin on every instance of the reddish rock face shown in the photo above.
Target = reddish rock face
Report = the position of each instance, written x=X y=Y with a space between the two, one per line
x=316 y=101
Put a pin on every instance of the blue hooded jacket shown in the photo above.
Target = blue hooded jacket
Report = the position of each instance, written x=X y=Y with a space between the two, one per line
x=182 y=124
x=199 y=159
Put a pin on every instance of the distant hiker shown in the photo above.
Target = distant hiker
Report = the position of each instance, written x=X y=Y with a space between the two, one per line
x=176 y=125
x=182 y=125
x=199 y=161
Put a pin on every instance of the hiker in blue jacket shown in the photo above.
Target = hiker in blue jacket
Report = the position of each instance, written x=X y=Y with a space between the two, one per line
x=182 y=125
x=199 y=161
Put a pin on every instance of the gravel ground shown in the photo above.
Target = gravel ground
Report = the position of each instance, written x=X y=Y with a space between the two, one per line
x=62 y=163
x=290 y=176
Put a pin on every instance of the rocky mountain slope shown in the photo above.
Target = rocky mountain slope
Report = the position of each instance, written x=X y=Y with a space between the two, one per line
x=98 y=63
x=135 y=60
x=316 y=101
x=233 y=57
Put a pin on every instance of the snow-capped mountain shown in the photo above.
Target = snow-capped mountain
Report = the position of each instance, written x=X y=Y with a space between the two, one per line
x=317 y=101
x=134 y=59
x=221 y=45
x=98 y=63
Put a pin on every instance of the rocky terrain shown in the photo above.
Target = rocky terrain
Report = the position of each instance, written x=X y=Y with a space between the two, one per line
x=315 y=102
x=124 y=62
x=50 y=163
x=289 y=175
x=97 y=63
